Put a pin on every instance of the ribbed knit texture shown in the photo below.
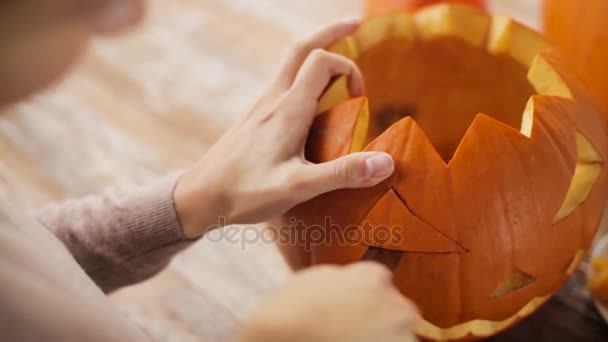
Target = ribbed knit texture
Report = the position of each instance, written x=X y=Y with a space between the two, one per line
x=122 y=236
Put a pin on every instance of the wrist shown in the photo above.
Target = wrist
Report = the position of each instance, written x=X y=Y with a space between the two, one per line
x=199 y=206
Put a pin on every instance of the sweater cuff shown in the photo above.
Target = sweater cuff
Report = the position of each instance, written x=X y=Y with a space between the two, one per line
x=151 y=220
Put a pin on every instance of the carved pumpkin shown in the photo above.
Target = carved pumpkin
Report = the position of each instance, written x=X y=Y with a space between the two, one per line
x=579 y=29
x=499 y=184
x=380 y=7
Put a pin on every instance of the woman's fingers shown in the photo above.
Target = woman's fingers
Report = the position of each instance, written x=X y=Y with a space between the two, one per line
x=317 y=72
x=358 y=170
x=323 y=39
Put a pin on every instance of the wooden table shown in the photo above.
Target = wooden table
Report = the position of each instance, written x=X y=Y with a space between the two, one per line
x=154 y=101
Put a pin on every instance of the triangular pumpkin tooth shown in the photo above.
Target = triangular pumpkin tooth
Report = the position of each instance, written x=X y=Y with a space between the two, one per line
x=406 y=136
x=391 y=225
x=447 y=20
x=511 y=38
x=339 y=131
x=483 y=125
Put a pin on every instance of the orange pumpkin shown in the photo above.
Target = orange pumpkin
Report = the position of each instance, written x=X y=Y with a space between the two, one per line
x=499 y=184
x=380 y=7
x=579 y=29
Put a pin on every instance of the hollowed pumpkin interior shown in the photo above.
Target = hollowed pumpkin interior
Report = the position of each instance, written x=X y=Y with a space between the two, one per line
x=443 y=84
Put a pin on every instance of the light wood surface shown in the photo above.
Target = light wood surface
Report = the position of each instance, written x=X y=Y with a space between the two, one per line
x=153 y=101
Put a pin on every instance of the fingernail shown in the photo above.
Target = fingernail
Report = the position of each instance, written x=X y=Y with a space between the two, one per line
x=379 y=165
x=117 y=15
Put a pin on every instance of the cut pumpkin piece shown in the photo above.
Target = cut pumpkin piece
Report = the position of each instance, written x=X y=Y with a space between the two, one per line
x=338 y=132
x=546 y=80
x=390 y=225
x=336 y=93
x=345 y=47
x=588 y=170
x=376 y=30
x=511 y=38
x=445 y=20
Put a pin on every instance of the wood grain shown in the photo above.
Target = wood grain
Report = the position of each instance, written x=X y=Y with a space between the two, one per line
x=153 y=101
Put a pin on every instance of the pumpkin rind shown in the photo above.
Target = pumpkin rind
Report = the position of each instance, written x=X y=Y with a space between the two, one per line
x=382 y=7
x=454 y=21
x=332 y=136
x=579 y=29
x=508 y=37
x=504 y=220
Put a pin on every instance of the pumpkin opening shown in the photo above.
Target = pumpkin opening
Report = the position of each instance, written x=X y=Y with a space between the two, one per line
x=443 y=84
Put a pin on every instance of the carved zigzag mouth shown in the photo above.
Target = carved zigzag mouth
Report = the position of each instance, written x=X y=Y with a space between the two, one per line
x=440 y=30
x=548 y=86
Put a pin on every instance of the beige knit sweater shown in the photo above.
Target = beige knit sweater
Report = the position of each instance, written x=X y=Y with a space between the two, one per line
x=56 y=267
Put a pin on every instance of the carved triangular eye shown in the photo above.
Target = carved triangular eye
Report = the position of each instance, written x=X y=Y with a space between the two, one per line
x=514 y=280
x=391 y=225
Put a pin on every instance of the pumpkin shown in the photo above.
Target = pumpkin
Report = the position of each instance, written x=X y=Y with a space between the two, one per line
x=579 y=29
x=380 y=7
x=499 y=184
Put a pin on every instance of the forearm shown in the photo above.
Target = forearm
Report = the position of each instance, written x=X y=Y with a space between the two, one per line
x=120 y=237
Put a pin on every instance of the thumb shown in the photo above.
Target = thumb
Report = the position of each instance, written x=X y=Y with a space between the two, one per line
x=358 y=170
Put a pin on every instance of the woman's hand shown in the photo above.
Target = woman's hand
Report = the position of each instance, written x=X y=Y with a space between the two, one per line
x=353 y=303
x=257 y=170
